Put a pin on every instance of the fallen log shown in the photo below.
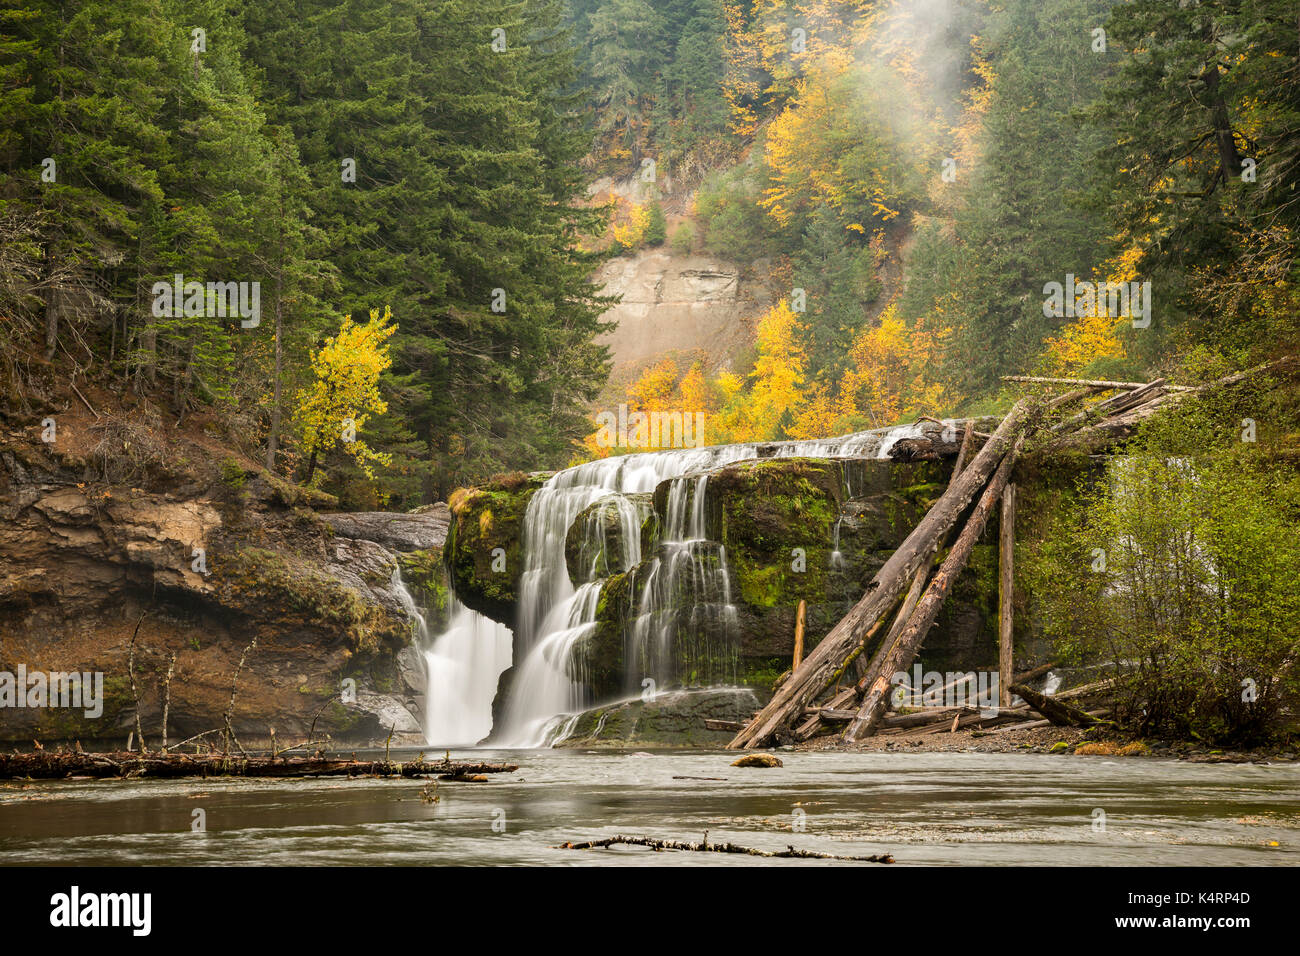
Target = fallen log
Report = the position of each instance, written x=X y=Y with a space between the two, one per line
x=921 y=718
x=707 y=847
x=851 y=695
x=1085 y=689
x=728 y=725
x=1035 y=672
x=1058 y=712
x=55 y=765
x=867 y=675
x=1087 y=383
x=1034 y=724
x=900 y=656
x=1119 y=420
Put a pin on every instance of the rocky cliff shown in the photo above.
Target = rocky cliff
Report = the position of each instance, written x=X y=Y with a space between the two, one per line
x=128 y=546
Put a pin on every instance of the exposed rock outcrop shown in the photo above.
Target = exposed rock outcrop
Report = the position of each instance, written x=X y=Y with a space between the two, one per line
x=671 y=719
x=418 y=531
x=199 y=558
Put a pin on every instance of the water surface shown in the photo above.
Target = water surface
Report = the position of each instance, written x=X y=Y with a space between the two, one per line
x=925 y=809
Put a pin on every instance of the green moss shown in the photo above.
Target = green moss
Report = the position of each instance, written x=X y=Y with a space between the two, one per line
x=776 y=516
x=233 y=474
x=265 y=583
x=761 y=673
x=484 y=543
x=426 y=575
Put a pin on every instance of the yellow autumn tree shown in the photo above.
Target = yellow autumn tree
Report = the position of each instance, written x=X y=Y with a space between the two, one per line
x=662 y=388
x=889 y=376
x=1096 y=336
x=780 y=375
x=631 y=230
x=345 y=392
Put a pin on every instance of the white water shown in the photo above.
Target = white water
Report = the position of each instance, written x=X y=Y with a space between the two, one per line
x=462 y=666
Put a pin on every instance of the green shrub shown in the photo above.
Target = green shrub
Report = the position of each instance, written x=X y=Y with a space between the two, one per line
x=1178 y=572
x=656 y=227
x=683 y=240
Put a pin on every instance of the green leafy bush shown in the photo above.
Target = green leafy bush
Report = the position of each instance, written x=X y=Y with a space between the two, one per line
x=1179 y=573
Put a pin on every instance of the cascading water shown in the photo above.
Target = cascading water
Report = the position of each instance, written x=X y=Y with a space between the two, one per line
x=685 y=616
x=553 y=615
x=462 y=667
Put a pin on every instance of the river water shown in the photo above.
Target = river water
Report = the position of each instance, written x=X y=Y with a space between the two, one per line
x=925 y=809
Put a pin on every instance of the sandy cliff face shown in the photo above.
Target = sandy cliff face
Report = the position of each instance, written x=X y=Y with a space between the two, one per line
x=674 y=303
x=678 y=304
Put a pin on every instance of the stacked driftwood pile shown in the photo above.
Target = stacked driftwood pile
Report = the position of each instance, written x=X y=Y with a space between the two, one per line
x=906 y=594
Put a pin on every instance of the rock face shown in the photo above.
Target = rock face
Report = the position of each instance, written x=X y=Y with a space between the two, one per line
x=671 y=719
x=791 y=529
x=597 y=544
x=484 y=552
x=198 y=563
x=686 y=302
x=426 y=528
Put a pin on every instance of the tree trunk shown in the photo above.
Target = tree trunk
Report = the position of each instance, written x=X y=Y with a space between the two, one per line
x=798 y=634
x=1058 y=712
x=1006 y=588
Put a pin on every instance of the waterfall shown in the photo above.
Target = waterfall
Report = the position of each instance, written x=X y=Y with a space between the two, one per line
x=553 y=615
x=685 y=616
x=462 y=666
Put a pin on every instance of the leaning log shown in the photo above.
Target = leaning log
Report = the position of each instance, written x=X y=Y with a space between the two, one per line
x=1087 y=383
x=900 y=656
x=1058 y=712
x=816 y=671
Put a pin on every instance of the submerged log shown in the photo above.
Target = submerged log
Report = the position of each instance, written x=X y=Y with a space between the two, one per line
x=707 y=847
x=54 y=765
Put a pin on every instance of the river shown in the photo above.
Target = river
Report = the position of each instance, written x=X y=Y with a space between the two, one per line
x=925 y=809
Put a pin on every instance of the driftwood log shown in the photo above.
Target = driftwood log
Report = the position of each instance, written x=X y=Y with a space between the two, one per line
x=900 y=656
x=1058 y=712
x=707 y=847
x=54 y=765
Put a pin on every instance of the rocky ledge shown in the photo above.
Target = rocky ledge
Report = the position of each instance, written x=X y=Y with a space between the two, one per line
x=189 y=563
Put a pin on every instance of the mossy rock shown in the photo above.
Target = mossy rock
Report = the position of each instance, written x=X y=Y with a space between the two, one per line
x=595 y=546
x=674 y=719
x=265 y=584
x=484 y=549
x=776 y=518
x=425 y=574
